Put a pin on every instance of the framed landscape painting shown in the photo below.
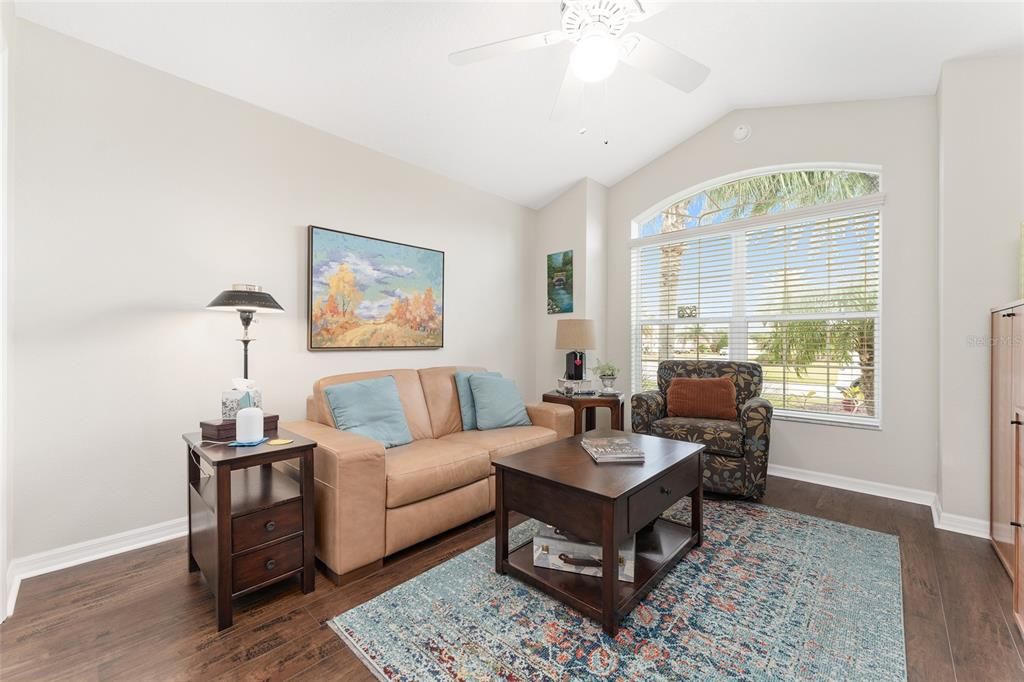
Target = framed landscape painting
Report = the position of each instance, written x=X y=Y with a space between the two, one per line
x=367 y=293
x=560 y=282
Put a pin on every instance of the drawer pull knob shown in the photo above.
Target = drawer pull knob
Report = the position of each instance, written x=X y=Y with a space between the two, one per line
x=270 y=526
x=666 y=491
x=270 y=564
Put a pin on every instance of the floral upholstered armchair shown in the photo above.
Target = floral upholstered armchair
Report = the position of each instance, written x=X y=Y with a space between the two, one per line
x=736 y=453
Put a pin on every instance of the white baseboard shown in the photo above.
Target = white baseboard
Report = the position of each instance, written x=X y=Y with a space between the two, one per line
x=979 y=528
x=941 y=520
x=857 y=485
x=90 y=550
x=11 y=594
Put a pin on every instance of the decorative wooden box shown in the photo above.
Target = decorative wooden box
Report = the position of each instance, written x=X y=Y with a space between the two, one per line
x=562 y=551
x=222 y=430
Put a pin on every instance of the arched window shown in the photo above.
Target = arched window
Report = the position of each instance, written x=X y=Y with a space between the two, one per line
x=781 y=268
x=759 y=195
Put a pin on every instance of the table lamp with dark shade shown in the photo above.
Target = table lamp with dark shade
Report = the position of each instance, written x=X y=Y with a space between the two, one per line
x=575 y=336
x=246 y=299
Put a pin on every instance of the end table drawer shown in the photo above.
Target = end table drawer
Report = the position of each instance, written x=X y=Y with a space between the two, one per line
x=257 y=528
x=647 y=504
x=265 y=564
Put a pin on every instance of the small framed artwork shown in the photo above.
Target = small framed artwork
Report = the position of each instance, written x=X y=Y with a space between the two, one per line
x=560 y=282
x=370 y=294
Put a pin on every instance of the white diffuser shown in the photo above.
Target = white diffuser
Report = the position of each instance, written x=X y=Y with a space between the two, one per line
x=249 y=425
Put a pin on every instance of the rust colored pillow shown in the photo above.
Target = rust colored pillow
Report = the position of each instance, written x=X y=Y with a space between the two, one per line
x=706 y=398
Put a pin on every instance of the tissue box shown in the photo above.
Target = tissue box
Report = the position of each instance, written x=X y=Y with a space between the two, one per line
x=224 y=429
x=562 y=551
x=234 y=400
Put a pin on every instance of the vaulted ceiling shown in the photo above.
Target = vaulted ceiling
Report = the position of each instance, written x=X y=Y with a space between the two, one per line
x=377 y=74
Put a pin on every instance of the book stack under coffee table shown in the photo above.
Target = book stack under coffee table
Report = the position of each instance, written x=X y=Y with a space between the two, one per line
x=562 y=486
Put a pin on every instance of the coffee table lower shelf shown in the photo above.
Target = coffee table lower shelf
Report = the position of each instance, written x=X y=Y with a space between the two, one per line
x=658 y=548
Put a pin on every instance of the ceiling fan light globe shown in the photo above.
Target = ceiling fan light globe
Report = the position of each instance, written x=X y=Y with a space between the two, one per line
x=594 y=58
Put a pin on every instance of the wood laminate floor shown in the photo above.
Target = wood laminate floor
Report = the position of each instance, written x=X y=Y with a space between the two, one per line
x=142 y=616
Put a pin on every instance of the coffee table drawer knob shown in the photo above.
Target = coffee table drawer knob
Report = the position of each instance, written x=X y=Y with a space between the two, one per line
x=666 y=491
x=270 y=564
x=269 y=526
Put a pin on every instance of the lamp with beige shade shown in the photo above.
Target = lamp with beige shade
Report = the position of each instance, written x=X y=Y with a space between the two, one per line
x=575 y=336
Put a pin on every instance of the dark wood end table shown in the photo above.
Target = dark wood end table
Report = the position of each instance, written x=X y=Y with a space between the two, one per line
x=587 y=405
x=561 y=485
x=249 y=525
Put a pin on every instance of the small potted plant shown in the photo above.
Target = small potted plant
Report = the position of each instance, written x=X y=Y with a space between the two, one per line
x=608 y=373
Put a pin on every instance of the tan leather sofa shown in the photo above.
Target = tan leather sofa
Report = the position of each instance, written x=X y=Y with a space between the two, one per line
x=372 y=502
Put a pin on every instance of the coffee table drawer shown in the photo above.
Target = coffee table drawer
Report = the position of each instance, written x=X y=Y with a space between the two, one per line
x=261 y=565
x=647 y=504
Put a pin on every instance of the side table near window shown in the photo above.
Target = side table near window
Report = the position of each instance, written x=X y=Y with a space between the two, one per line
x=250 y=525
x=587 y=405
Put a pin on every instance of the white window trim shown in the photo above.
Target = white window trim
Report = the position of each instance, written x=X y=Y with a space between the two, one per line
x=848 y=421
x=869 y=202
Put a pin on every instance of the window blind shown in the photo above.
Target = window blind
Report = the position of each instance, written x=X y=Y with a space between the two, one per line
x=801 y=297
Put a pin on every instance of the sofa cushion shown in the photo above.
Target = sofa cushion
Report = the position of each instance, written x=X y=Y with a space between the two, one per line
x=429 y=467
x=498 y=403
x=503 y=442
x=467 y=403
x=443 y=398
x=719 y=435
x=708 y=398
x=370 y=408
x=410 y=392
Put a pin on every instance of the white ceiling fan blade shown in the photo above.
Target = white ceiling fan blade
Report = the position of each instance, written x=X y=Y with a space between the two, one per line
x=663 y=62
x=569 y=95
x=503 y=47
x=647 y=10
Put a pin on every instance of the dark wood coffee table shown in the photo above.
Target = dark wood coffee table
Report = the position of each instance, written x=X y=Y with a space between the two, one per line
x=561 y=485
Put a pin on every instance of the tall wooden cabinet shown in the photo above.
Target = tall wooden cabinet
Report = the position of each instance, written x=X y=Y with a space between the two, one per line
x=1007 y=442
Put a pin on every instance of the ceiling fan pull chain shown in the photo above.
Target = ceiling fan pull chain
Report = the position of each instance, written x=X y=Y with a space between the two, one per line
x=606 y=112
x=583 y=110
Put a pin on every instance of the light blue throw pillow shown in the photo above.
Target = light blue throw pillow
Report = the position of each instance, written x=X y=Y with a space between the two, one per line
x=466 y=404
x=498 y=403
x=370 y=408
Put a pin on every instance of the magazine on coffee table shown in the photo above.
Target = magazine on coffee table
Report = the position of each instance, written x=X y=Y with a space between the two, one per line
x=612 y=450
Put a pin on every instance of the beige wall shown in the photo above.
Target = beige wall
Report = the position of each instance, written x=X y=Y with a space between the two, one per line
x=981 y=165
x=900 y=136
x=561 y=226
x=596 y=268
x=6 y=488
x=574 y=220
x=136 y=198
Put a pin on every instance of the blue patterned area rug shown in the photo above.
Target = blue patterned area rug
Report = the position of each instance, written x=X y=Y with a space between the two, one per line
x=771 y=595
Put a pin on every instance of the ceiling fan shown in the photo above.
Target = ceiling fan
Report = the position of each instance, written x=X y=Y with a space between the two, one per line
x=598 y=30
